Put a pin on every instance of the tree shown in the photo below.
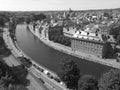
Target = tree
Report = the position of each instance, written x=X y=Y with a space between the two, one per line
x=107 y=50
x=2 y=22
x=21 y=19
x=13 y=78
x=20 y=78
x=29 y=19
x=110 y=80
x=3 y=48
x=118 y=39
x=56 y=38
x=70 y=74
x=114 y=29
x=17 y=87
x=87 y=82
x=39 y=17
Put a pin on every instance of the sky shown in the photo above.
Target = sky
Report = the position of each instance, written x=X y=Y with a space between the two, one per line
x=45 y=5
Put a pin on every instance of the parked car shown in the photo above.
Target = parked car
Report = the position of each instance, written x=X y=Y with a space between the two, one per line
x=56 y=79
x=40 y=69
x=49 y=75
x=45 y=72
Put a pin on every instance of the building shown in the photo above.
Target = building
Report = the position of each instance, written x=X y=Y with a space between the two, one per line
x=104 y=29
x=69 y=32
x=44 y=32
x=91 y=43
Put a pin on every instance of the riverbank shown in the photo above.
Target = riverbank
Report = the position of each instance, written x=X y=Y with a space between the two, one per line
x=40 y=72
x=68 y=50
x=13 y=61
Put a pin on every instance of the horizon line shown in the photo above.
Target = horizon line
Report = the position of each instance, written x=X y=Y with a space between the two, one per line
x=94 y=9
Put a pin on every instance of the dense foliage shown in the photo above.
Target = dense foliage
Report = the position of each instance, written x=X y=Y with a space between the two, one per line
x=29 y=19
x=13 y=78
x=3 y=48
x=107 y=51
x=110 y=80
x=70 y=74
x=39 y=17
x=3 y=19
x=115 y=30
x=87 y=82
x=21 y=19
x=56 y=35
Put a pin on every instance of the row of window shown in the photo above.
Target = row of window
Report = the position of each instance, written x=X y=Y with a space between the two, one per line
x=90 y=50
x=89 y=44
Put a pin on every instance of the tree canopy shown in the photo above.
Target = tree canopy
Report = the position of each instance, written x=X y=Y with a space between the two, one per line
x=70 y=74
x=13 y=78
x=110 y=80
x=115 y=29
x=87 y=82
x=39 y=16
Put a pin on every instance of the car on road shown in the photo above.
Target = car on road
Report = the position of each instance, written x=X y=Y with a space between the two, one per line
x=40 y=69
x=49 y=75
x=57 y=79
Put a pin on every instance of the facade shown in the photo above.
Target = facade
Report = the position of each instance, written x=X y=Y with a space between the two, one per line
x=44 y=31
x=87 y=46
x=91 y=43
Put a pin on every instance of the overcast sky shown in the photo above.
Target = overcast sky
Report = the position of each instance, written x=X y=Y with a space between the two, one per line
x=38 y=5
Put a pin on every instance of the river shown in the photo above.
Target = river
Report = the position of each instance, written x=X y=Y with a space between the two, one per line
x=51 y=58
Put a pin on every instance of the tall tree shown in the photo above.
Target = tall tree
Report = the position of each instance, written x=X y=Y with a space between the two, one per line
x=11 y=77
x=87 y=82
x=70 y=74
x=20 y=78
x=110 y=80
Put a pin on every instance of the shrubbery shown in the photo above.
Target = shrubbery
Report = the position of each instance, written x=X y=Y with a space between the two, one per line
x=12 y=78
x=56 y=35
x=73 y=79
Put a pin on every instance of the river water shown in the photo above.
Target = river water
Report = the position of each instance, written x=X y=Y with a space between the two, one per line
x=51 y=58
